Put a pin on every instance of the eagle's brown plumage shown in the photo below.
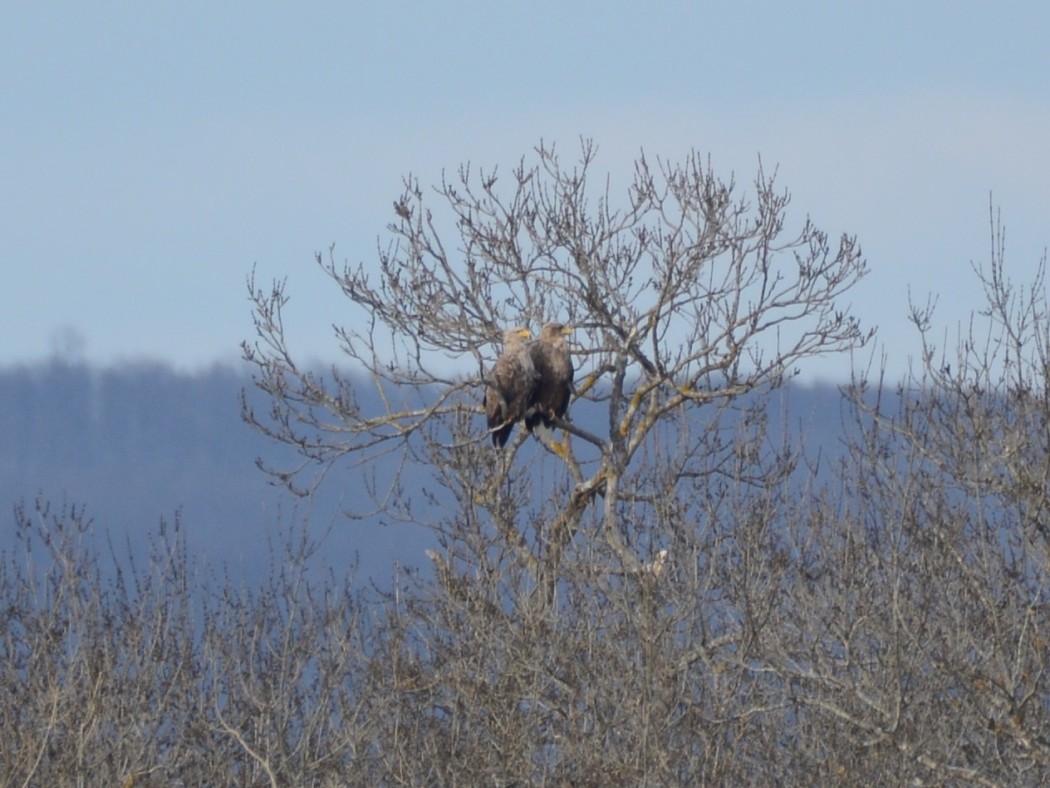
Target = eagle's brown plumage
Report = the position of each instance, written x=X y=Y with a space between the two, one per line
x=511 y=386
x=550 y=357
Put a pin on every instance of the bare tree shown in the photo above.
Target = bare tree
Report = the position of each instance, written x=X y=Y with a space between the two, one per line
x=682 y=293
x=685 y=296
x=911 y=637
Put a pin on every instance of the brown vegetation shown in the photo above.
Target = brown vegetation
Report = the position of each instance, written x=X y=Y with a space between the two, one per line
x=674 y=599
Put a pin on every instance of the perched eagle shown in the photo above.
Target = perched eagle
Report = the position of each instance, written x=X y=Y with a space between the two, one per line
x=550 y=357
x=512 y=386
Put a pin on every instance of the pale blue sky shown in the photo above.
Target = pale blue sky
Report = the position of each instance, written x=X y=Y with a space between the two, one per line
x=150 y=154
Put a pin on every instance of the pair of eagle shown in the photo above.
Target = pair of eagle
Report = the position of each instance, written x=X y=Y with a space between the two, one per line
x=532 y=381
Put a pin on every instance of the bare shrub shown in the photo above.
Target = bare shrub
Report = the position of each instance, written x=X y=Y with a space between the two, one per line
x=910 y=629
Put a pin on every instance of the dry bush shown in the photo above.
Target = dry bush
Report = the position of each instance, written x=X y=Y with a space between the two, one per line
x=160 y=674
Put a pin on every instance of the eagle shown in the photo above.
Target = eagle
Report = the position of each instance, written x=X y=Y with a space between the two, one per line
x=511 y=387
x=554 y=371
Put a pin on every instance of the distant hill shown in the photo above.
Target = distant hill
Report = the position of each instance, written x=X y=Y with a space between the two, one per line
x=137 y=443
